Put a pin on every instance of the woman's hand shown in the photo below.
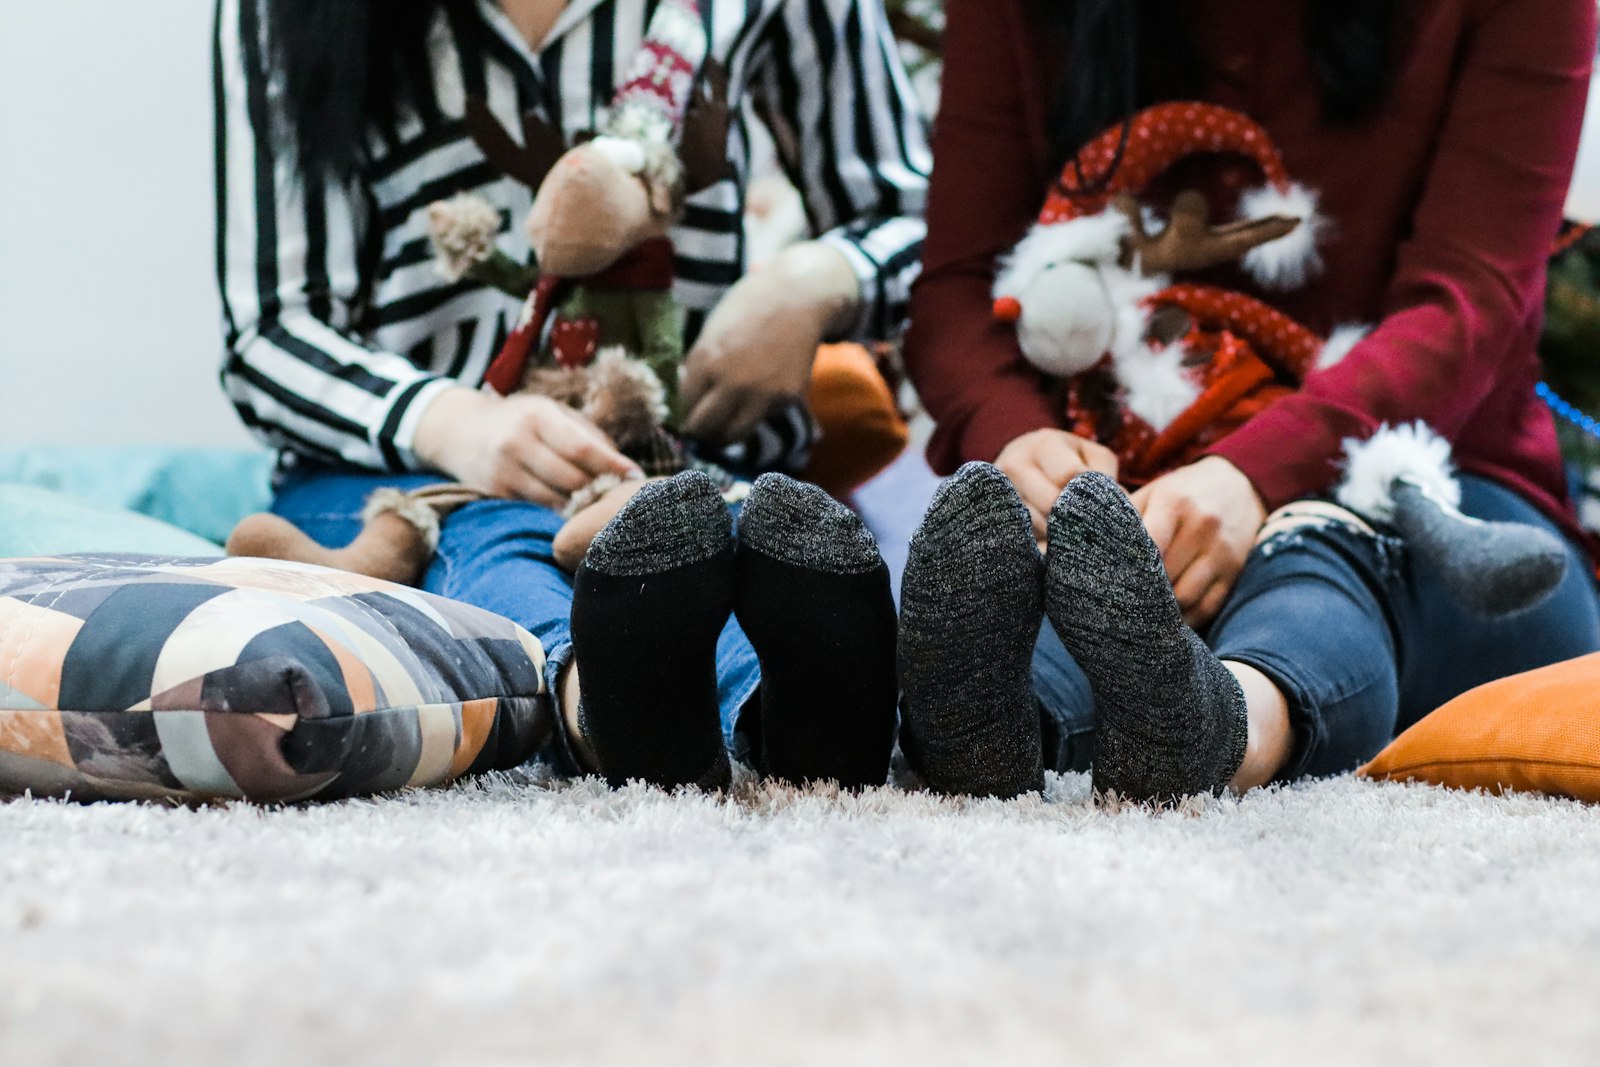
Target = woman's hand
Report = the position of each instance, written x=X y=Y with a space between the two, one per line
x=520 y=447
x=1041 y=463
x=1203 y=518
x=756 y=350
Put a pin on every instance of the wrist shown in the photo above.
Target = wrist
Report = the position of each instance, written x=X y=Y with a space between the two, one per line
x=441 y=419
x=827 y=280
x=1247 y=487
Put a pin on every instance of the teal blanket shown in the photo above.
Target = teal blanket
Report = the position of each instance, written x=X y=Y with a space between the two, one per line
x=203 y=491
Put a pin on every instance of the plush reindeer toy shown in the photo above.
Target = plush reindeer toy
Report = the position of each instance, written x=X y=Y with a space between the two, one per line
x=1159 y=370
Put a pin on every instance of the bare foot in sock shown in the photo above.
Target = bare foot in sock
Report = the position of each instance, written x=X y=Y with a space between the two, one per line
x=971 y=605
x=649 y=602
x=1170 y=718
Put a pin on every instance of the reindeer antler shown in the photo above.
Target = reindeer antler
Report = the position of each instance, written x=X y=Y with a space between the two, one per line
x=528 y=162
x=703 y=147
x=1190 y=242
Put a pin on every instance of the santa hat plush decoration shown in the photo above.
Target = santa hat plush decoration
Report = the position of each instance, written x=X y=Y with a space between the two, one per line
x=1158 y=137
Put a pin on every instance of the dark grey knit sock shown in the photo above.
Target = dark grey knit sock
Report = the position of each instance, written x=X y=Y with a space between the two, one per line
x=815 y=601
x=1492 y=569
x=649 y=602
x=971 y=604
x=1169 y=717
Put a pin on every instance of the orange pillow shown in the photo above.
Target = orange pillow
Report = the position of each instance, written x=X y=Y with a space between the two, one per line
x=862 y=429
x=1538 y=731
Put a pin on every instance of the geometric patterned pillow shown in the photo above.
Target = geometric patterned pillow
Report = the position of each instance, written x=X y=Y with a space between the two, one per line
x=140 y=677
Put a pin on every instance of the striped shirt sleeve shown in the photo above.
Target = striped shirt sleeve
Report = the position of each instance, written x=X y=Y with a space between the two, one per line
x=288 y=267
x=850 y=136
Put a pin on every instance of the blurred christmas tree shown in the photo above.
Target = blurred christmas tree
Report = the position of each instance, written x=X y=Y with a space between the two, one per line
x=1571 y=346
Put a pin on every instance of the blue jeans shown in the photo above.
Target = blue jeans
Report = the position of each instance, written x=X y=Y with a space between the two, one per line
x=1361 y=638
x=496 y=555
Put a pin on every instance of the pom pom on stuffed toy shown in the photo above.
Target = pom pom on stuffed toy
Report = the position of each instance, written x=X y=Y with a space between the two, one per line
x=463 y=230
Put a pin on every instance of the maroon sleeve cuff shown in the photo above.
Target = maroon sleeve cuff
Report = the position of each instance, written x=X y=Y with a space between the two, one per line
x=1287 y=454
x=1001 y=419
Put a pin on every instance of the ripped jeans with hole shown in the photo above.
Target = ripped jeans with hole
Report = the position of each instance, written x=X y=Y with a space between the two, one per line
x=1356 y=632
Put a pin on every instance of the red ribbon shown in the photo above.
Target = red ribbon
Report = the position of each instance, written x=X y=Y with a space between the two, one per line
x=647 y=267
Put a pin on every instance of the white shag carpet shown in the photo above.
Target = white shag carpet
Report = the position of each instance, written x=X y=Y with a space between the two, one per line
x=513 y=921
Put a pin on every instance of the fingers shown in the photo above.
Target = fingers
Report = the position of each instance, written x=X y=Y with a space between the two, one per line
x=1194 y=583
x=751 y=412
x=1160 y=519
x=1063 y=456
x=694 y=382
x=524 y=484
x=1098 y=457
x=710 y=416
x=1194 y=541
x=580 y=444
x=1037 y=492
x=1059 y=463
x=1208 y=604
x=1212 y=603
x=1041 y=527
x=554 y=472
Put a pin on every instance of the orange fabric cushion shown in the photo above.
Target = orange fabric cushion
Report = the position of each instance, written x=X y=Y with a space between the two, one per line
x=1538 y=731
x=862 y=429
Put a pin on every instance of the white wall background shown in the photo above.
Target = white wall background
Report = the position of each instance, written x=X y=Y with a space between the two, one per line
x=108 y=317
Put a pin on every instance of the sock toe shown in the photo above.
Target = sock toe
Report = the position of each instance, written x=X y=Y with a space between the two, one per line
x=671 y=523
x=800 y=524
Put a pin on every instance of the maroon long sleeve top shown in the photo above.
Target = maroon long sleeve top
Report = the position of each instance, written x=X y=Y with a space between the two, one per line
x=1444 y=207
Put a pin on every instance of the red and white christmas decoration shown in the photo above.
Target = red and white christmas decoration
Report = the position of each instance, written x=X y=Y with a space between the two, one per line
x=1155 y=370
x=654 y=96
x=1121 y=161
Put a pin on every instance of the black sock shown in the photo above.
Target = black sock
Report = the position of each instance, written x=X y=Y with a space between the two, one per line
x=815 y=601
x=971 y=605
x=1169 y=717
x=649 y=602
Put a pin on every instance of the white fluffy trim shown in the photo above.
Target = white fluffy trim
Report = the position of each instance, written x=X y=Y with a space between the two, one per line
x=1338 y=345
x=1128 y=291
x=1091 y=239
x=1413 y=452
x=418 y=513
x=627 y=153
x=1293 y=259
x=1155 y=385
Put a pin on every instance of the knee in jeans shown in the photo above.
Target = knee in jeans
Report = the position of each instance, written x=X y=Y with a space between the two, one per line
x=491 y=530
x=1297 y=524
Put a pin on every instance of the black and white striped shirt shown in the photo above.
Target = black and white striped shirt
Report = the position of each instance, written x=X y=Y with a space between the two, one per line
x=339 y=330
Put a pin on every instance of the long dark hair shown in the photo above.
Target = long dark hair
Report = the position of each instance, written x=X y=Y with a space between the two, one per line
x=1122 y=55
x=348 y=67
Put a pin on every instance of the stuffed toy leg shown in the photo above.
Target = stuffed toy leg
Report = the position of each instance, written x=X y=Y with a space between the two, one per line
x=1402 y=477
x=400 y=532
x=396 y=544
